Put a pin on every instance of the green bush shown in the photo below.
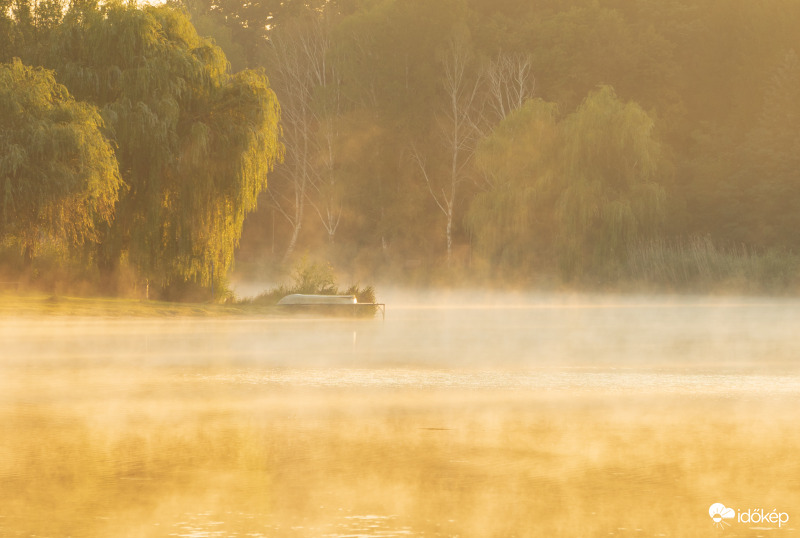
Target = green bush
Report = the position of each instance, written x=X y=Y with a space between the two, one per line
x=312 y=278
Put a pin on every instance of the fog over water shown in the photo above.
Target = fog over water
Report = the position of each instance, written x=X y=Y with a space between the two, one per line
x=459 y=415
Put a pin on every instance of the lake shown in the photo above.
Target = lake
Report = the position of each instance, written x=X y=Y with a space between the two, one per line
x=469 y=415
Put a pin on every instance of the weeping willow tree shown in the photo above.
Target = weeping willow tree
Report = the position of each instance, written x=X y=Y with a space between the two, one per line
x=58 y=174
x=194 y=143
x=577 y=191
x=611 y=167
x=511 y=221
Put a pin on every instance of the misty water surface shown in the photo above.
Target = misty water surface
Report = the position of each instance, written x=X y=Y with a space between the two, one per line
x=459 y=416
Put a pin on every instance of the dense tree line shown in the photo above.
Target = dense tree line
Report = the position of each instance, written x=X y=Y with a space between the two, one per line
x=528 y=138
x=580 y=140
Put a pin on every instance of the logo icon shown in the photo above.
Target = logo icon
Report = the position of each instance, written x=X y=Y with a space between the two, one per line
x=719 y=514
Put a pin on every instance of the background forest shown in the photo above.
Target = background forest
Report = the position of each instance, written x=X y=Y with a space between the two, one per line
x=613 y=143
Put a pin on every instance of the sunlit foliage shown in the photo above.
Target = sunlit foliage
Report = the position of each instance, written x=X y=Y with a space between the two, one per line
x=697 y=139
x=58 y=174
x=194 y=143
x=611 y=167
x=512 y=220
x=580 y=190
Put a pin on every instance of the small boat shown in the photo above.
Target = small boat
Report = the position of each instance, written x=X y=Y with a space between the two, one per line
x=303 y=299
x=335 y=305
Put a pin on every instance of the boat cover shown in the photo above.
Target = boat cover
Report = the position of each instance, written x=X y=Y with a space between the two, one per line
x=302 y=299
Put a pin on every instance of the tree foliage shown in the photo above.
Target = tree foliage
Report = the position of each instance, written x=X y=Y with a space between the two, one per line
x=194 y=143
x=561 y=175
x=611 y=168
x=58 y=173
x=512 y=219
x=246 y=26
x=580 y=190
x=769 y=177
x=7 y=29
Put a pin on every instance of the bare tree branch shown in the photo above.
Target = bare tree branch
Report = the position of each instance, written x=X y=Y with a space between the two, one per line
x=302 y=67
x=459 y=126
x=510 y=83
x=415 y=155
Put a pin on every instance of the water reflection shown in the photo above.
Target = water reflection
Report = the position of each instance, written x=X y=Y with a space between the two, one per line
x=582 y=417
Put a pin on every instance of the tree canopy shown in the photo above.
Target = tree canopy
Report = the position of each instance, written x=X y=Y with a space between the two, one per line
x=58 y=174
x=580 y=190
x=611 y=167
x=513 y=219
x=195 y=143
x=192 y=142
x=573 y=135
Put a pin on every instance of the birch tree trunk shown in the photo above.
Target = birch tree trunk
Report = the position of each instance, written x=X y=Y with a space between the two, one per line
x=459 y=130
x=308 y=87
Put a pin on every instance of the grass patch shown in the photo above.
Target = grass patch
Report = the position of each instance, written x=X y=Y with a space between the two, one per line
x=311 y=278
x=697 y=264
x=12 y=304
